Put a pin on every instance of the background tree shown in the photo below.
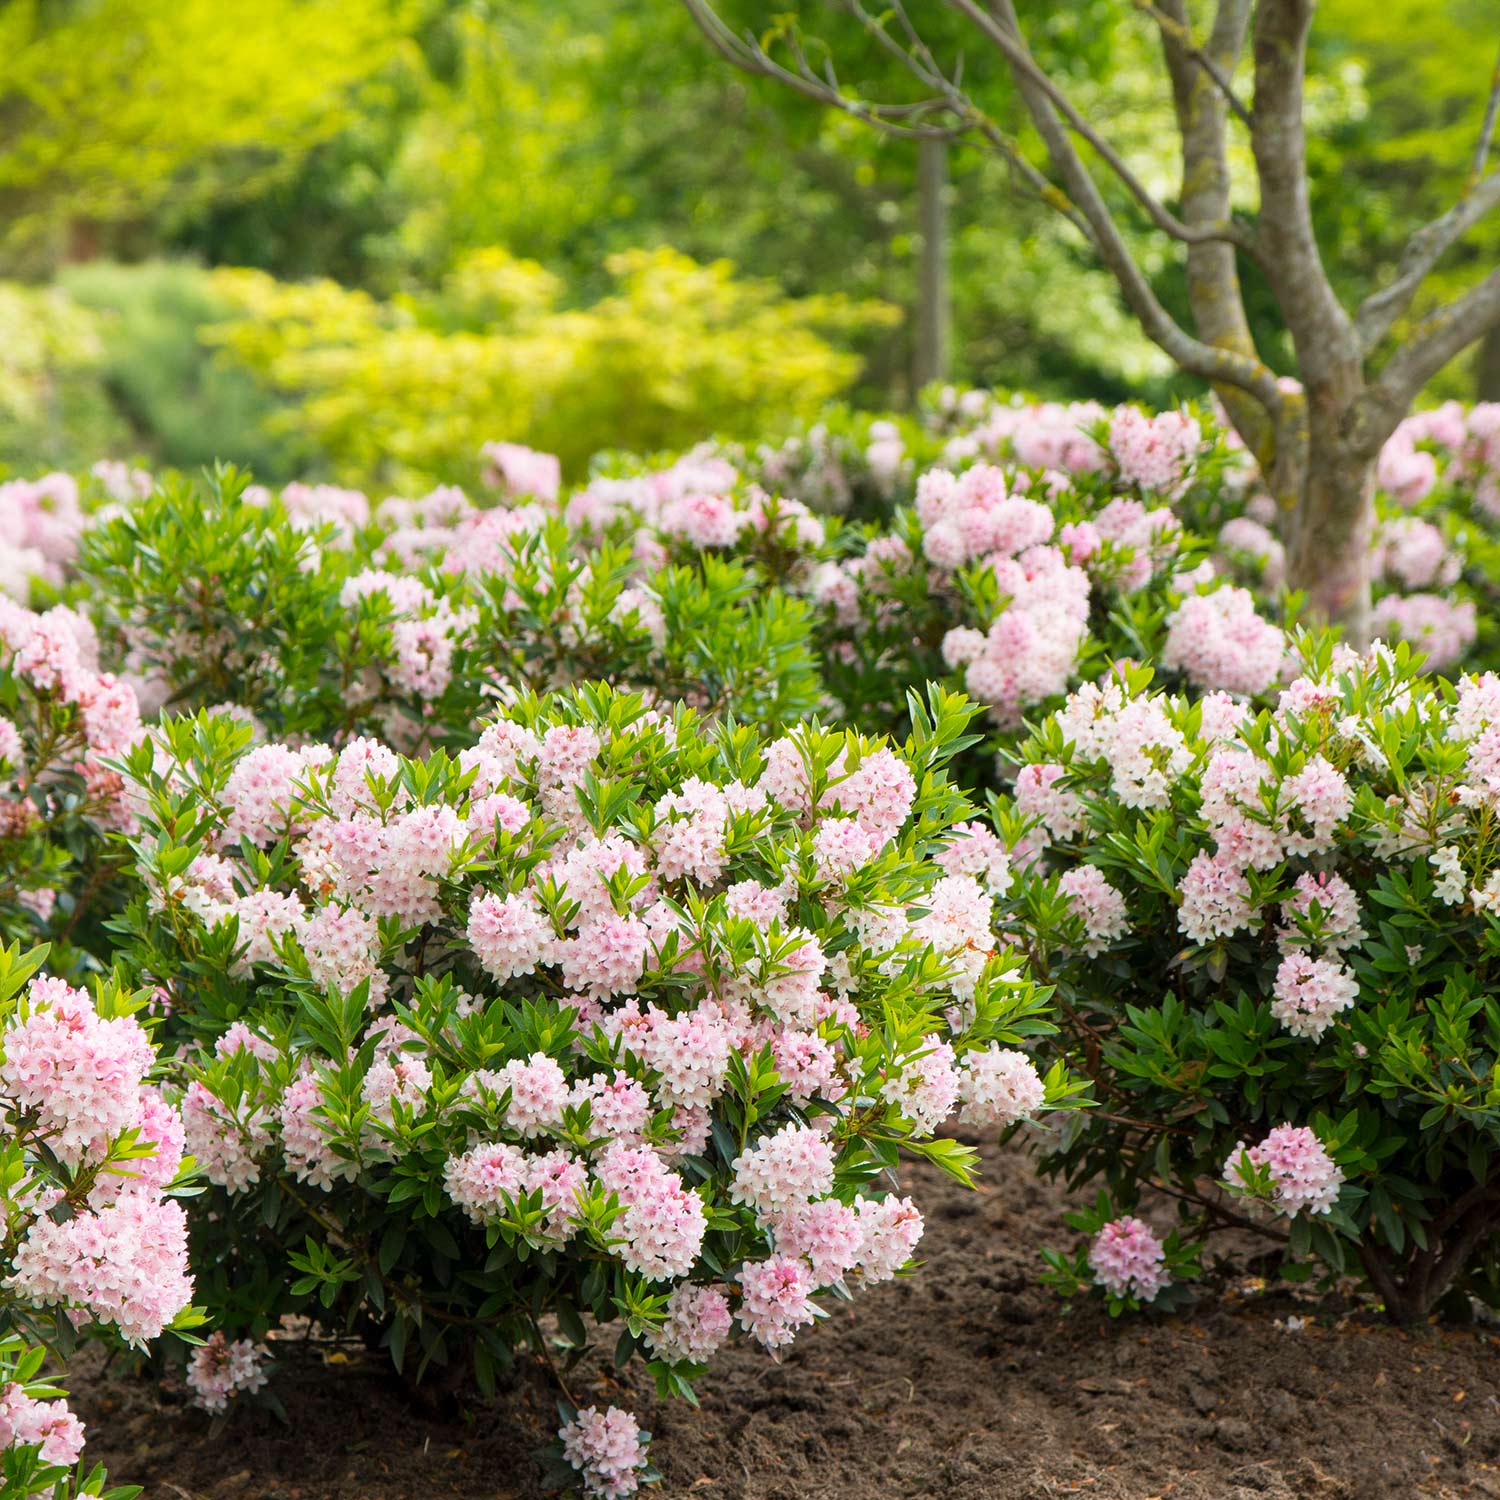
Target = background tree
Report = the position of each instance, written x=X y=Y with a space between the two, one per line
x=1317 y=444
x=127 y=113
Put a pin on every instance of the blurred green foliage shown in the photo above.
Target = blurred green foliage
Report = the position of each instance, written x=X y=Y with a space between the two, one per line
x=407 y=390
x=55 y=410
x=406 y=169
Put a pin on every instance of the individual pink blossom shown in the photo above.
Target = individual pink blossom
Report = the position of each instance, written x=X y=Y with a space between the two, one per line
x=1126 y=1258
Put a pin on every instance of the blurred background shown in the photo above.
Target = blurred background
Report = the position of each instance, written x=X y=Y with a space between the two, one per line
x=353 y=239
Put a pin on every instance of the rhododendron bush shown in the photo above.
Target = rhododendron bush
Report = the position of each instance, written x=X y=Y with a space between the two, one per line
x=618 y=1014
x=1273 y=937
x=92 y=1239
x=61 y=721
x=493 y=1004
x=321 y=614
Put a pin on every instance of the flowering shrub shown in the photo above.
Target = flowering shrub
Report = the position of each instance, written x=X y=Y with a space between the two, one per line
x=91 y=1237
x=1016 y=582
x=1272 y=935
x=316 y=613
x=618 y=1014
x=61 y=719
x=1124 y=1260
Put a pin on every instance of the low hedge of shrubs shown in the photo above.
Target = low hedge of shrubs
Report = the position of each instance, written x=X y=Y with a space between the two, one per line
x=561 y=911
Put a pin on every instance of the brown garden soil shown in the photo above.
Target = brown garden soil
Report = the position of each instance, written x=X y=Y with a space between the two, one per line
x=965 y=1381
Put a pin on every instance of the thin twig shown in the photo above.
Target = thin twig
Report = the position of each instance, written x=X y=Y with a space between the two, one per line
x=1183 y=37
x=1487 y=130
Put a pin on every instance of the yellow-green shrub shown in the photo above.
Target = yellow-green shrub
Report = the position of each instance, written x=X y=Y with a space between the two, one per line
x=409 y=389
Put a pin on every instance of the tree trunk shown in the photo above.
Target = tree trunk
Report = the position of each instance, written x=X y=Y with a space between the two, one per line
x=1487 y=368
x=1330 y=553
x=933 y=314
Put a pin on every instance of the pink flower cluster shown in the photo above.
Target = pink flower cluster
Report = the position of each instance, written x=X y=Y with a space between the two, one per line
x=1126 y=1258
x=516 y=470
x=1154 y=452
x=72 y=1086
x=1304 y=1178
x=54 y=658
x=41 y=522
x=1220 y=642
x=124 y=1263
x=219 y=1369
x=79 y=1074
x=607 y=1450
x=1442 y=629
x=46 y=1425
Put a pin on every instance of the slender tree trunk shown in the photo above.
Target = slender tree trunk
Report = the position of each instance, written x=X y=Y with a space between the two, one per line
x=1487 y=368
x=1330 y=552
x=933 y=313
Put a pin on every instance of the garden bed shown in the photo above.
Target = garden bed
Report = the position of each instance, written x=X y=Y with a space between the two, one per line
x=964 y=1381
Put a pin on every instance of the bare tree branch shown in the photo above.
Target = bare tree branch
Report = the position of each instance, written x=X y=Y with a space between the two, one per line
x=749 y=56
x=1025 y=68
x=1487 y=130
x=1213 y=279
x=917 y=57
x=1175 y=28
x=1423 y=251
x=1438 y=339
x=1327 y=348
x=1219 y=366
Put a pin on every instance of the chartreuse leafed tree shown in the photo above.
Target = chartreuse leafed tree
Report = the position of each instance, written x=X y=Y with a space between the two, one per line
x=113 y=110
x=1236 y=72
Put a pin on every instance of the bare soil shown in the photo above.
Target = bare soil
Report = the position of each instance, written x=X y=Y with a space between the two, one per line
x=965 y=1382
